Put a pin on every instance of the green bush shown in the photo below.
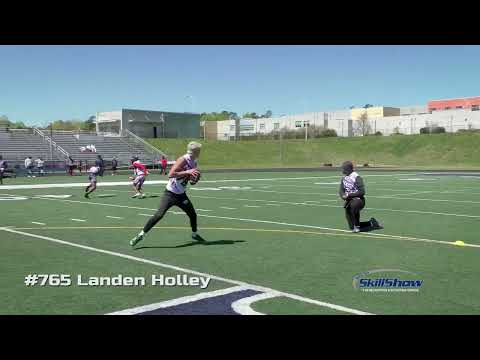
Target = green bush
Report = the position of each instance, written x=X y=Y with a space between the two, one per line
x=328 y=133
x=432 y=130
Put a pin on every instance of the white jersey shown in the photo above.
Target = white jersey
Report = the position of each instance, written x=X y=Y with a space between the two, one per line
x=28 y=162
x=40 y=163
x=179 y=186
x=349 y=183
x=94 y=170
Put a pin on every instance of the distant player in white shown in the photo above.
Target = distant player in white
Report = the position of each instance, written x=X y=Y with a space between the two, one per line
x=92 y=177
x=29 y=166
x=40 y=166
x=184 y=171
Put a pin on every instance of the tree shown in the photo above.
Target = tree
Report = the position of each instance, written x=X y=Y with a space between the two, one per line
x=233 y=115
x=268 y=114
x=252 y=115
x=367 y=106
x=362 y=125
x=90 y=123
x=4 y=120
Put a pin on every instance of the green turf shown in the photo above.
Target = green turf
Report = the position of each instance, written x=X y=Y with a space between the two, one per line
x=314 y=263
x=424 y=151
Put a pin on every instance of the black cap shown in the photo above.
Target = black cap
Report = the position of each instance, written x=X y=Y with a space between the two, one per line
x=347 y=167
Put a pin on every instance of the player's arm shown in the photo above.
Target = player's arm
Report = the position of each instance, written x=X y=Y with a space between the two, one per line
x=175 y=171
x=341 y=191
x=361 y=189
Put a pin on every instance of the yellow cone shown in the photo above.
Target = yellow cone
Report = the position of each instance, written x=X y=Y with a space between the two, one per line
x=459 y=243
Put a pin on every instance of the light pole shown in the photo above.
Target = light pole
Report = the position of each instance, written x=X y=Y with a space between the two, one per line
x=190 y=99
x=162 y=121
x=51 y=137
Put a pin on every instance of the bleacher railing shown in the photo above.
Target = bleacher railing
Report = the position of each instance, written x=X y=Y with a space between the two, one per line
x=157 y=154
x=52 y=143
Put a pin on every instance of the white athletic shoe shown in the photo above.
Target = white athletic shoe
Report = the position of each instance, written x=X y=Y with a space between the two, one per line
x=356 y=229
x=134 y=196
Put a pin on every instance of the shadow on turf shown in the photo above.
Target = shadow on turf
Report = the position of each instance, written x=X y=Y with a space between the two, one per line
x=193 y=243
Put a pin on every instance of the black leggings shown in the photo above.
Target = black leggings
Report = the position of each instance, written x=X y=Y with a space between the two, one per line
x=170 y=199
x=352 y=212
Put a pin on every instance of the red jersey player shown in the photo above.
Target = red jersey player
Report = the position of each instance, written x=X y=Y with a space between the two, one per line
x=140 y=172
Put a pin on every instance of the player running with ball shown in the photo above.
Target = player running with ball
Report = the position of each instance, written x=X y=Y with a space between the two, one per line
x=184 y=171
x=92 y=177
x=140 y=171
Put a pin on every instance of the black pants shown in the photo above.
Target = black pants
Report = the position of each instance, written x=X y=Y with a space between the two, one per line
x=352 y=213
x=170 y=199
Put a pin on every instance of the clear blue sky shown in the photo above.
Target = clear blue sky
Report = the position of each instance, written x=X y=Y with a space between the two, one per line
x=44 y=83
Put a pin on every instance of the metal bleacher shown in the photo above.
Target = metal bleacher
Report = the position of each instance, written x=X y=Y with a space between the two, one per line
x=17 y=144
x=107 y=146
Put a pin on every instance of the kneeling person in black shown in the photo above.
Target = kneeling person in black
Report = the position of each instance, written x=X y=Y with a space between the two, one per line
x=352 y=191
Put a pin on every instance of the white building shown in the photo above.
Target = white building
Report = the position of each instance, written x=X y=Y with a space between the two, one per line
x=410 y=121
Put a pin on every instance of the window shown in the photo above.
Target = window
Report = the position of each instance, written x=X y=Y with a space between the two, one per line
x=262 y=126
x=298 y=124
x=459 y=107
x=433 y=109
x=232 y=127
x=276 y=126
x=447 y=107
x=247 y=127
x=306 y=123
x=325 y=117
x=475 y=107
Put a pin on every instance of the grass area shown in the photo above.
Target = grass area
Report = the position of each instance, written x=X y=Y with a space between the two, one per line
x=283 y=231
x=446 y=151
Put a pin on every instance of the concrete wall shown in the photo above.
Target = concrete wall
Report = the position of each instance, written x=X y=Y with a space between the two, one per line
x=176 y=125
x=374 y=112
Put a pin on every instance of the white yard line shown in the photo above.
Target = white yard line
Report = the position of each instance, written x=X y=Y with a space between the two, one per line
x=320 y=204
x=79 y=220
x=114 y=217
x=38 y=223
x=243 y=306
x=377 y=235
x=227 y=208
x=190 y=271
x=156 y=182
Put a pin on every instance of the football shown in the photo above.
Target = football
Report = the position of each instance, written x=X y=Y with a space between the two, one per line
x=195 y=178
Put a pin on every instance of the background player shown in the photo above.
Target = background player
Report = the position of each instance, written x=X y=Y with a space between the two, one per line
x=3 y=168
x=352 y=191
x=92 y=177
x=140 y=172
x=40 y=166
x=163 y=166
x=184 y=170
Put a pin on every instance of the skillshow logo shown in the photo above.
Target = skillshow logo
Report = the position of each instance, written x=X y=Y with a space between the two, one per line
x=383 y=281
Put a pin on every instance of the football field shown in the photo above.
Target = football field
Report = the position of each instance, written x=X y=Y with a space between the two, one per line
x=277 y=243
